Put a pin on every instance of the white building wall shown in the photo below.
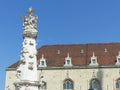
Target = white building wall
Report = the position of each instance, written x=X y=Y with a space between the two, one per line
x=81 y=78
x=10 y=79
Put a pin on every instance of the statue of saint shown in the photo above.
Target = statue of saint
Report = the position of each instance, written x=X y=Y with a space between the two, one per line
x=30 y=21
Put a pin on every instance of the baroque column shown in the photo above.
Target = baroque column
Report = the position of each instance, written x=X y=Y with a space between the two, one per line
x=26 y=72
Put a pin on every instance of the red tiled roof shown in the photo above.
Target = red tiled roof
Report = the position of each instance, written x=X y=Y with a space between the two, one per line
x=78 y=58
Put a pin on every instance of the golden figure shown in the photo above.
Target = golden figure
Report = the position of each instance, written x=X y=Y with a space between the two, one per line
x=30 y=11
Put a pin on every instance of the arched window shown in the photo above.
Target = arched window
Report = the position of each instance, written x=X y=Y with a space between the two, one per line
x=43 y=86
x=118 y=83
x=94 y=84
x=68 y=84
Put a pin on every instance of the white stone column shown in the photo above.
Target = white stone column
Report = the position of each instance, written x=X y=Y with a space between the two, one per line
x=27 y=69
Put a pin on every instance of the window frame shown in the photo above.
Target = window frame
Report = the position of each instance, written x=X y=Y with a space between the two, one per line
x=93 y=86
x=94 y=61
x=118 y=59
x=42 y=63
x=43 y=87
x=68 y=62
x=68 y=84
x=117 y=83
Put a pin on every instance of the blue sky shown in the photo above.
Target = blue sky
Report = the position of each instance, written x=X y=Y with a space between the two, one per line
x=59 y=22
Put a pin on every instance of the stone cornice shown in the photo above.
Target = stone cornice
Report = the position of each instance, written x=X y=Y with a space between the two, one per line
x=10 y=69
x=72 y=67
x=78 y=67
x=25 y=82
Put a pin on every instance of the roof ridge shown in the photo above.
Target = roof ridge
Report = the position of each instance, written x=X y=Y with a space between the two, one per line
x=80 y=44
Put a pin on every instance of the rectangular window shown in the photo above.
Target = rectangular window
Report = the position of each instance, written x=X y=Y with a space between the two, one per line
x=42 y=63
x=68 y=61
x=94 y=61
x=118 y=60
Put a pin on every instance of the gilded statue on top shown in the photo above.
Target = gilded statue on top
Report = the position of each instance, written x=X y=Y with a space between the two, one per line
x=30 y=11
x=29 y=21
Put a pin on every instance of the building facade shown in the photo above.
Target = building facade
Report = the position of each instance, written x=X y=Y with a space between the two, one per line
x=63 y=67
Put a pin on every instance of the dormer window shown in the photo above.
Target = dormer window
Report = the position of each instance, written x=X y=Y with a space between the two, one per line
x=58 y=52
x=82 y=51
x=118 y=59
x=42 y=62
x=68 y=61
x=93 y=60
x=105 y=50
